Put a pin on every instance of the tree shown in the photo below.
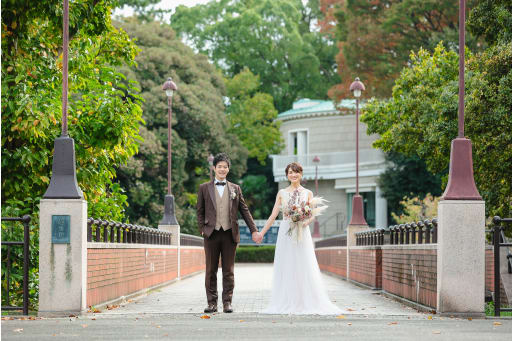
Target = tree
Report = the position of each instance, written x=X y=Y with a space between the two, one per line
x=407 y=177
x=200 y=125
x=252 y=115
x=104 y=110
x=421 y=117
x=375 y=38
x=276 y=40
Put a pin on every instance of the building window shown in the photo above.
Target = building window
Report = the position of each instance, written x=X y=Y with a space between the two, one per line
x=368 y=205
x=298 y=142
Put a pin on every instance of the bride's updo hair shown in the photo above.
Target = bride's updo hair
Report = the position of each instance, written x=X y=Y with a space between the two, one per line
x=295 y=166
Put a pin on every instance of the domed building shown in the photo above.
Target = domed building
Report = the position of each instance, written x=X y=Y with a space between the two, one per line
x=316 y=128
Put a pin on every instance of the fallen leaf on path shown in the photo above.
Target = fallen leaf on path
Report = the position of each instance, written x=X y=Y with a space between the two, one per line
x=470 y=319
x=205 y=317
x=84 y=326
x=166 y=334
x=436 y=332
x=390 y=323
x=241 y=321
x=159 y=326
x=349 y=324
x=497 y=323
x=94 y=319
x=429 y=317
x=7 y=318
x=110 y=307
x=340 y=316
x=348 y=309
x=18 y=330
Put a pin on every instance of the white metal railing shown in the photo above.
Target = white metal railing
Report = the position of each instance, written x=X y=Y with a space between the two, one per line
x=329 y=159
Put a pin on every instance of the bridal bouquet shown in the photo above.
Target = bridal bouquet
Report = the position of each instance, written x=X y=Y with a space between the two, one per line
x=301 y=212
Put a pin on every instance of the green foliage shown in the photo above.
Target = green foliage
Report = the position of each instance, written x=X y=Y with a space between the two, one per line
x=276 y=40
x=416 y=209
x=406 y=177
x=200 y=126
x=492 y=19
x=104 y=109
x=258 y=195
x=377 y=37
x=255 y=254
x=421 y=117
x=252 y=115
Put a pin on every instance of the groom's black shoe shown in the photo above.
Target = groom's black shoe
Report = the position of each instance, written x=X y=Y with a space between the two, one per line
x=227 y=307
x=211 y=308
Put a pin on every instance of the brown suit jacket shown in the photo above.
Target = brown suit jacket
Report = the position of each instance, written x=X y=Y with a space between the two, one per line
x=207 y=209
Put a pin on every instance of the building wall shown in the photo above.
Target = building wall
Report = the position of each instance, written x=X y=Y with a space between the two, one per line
x=328 y=134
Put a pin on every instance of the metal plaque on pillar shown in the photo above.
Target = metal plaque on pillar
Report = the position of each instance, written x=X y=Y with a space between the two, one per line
x=60 y=229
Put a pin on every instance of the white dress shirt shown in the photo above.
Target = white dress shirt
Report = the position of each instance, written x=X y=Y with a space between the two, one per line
x=220 y=189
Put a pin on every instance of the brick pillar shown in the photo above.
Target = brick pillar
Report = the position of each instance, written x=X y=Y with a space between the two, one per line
x=175 y=240
x=62 y=264
x=461 y=258
x=351 y=241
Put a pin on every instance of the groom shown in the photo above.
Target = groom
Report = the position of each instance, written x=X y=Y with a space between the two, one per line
x=218 y=203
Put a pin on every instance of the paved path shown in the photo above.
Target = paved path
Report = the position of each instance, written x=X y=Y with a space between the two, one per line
x=175 y=312
x=252 y=293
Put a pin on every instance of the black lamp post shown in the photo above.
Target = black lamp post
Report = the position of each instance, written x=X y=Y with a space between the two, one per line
x=169 y=217
x=316 y=230
x=63 y=184
x=210 y=162
x=357 y=202
x=461 y=183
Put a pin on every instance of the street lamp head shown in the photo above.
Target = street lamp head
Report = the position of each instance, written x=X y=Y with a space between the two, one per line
x=210 y=160
x=357 y=87
x=316 y=159
x=169 y=87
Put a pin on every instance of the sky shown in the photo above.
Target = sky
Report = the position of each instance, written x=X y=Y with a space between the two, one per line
x=164 y=4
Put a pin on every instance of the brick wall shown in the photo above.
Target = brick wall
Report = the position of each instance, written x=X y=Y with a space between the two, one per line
x=365 y=265
x=411 y=272
x=115 y=270
x=333 y=259
x=192 y=260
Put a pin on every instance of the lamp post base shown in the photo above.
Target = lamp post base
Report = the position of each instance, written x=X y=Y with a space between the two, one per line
x=358 y=211
x=169 y=217
x=63 y=184
x=461 y=183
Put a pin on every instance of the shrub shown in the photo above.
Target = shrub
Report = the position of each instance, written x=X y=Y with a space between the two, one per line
x=255 y=254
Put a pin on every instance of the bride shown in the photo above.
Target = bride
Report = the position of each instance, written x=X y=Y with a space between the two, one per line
x=297 y=286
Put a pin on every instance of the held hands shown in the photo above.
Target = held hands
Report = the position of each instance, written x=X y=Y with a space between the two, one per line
x=257 y=237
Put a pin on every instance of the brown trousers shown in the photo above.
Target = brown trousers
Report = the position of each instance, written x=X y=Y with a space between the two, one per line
x=220 y=243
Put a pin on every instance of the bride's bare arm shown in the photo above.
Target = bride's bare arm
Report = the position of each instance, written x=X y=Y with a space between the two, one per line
x=273 y=216
x=308 y=221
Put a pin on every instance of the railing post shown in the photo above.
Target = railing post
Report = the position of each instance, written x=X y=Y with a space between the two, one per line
x=497 y=284
x=26 y=261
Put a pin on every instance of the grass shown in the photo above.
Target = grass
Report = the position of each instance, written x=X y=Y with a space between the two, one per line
x=489 y=310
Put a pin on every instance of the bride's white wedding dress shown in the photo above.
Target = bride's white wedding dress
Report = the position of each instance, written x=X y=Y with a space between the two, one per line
x=297 y=286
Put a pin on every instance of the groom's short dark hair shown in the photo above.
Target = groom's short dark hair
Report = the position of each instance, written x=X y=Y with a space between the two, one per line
x=221 y=157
